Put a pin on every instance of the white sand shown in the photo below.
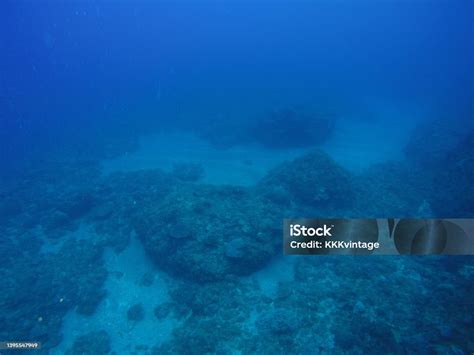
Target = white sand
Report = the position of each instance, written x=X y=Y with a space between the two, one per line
x=356 y=145
x=123 y=292
x=280 y=270
x=240 y=165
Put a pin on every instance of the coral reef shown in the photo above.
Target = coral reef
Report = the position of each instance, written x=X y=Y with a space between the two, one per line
x=331 y=306
x=217 y=243
x=453 y=181
x=72 y=277
x=208 y=233
x=276 y=129
x=290 y=128
x=313 y=181
x=433 y=140
x=163 y=310
x=277 y=322
x=443 y=149
x=91 y=344
x=393 y=189
x=124 y=197
x=136 y=313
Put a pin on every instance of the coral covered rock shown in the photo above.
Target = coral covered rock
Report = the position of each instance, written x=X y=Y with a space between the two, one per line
x=91 y=343
x=275 y=129
x=279 y=321
x=289 y=128
x=313 y=180
x=136 y=313
x=432 y=140
x=71 y=278
x=207 y=233
x=393 y=189
x=453 y=181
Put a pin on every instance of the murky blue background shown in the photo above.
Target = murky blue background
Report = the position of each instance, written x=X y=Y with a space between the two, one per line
x=149 y=152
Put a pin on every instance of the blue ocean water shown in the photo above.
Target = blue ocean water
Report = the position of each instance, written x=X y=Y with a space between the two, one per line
x=149 y=152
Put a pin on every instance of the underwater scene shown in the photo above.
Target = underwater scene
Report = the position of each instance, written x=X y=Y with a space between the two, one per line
x=151 y=150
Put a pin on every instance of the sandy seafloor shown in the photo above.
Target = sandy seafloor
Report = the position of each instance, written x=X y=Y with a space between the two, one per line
x=125 y=290
x=355 y=146
x=126 y=270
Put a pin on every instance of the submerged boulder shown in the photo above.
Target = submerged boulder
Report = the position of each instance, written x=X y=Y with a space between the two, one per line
x=276 y=129
x=277 y=322
x=96 y=342
x=313 y=180
x=432 y=140
x=136 y=313
x=453 y=181
x=443 y=150
x=393 y=189
x=206 y=233
x=290 y=128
